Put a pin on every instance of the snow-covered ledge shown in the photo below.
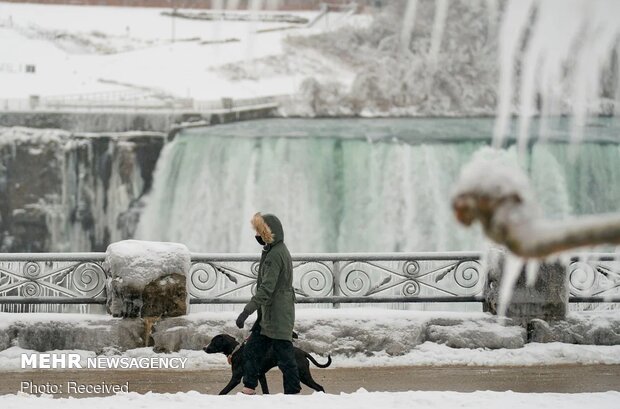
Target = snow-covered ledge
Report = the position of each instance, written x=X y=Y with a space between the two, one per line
x=353 y=336
x=147 y=279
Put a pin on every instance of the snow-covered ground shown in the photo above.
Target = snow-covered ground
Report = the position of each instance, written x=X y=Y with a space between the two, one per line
x=358 y=400
x=80 y=50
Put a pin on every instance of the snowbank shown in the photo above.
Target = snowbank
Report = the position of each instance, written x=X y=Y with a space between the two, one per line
x=35 y=137
x=354 y=338
x=358 y=400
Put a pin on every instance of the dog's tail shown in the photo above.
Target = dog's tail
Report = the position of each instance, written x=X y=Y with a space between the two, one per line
x=329 y=361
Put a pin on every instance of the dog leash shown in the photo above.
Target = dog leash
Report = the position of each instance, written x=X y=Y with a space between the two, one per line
x=229 y=357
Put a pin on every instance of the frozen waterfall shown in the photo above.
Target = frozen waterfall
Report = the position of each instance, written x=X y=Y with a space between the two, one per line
x=375 y=185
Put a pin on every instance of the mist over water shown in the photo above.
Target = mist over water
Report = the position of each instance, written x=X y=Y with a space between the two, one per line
x=372 y=185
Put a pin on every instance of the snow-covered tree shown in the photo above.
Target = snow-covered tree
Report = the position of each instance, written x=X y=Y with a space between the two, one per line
x=403 y=74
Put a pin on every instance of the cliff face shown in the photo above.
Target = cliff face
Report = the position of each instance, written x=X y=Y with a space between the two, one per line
x=62 y=191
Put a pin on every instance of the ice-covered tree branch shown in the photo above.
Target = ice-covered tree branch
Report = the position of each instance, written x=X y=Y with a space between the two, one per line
x=496 y=193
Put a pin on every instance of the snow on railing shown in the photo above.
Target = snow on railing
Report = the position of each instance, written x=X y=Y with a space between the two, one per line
x=136 y=101
x=80 y=278
x=232 y=104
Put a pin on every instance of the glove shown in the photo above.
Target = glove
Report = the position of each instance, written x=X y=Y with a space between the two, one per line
x=241 y=319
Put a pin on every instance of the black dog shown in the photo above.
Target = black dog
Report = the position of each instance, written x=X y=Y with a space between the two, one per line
x=230 y=347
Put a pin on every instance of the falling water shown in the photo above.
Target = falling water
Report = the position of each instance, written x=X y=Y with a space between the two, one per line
x=354 y=185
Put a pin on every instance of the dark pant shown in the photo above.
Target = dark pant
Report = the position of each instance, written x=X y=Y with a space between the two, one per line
x=254 y=351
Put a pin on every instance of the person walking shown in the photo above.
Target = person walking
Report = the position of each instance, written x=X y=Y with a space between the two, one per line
x=274 y=302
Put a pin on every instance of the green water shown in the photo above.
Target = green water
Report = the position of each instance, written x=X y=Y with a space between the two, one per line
x=359 y=184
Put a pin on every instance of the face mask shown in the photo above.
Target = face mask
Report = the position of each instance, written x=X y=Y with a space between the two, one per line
x=260 y=240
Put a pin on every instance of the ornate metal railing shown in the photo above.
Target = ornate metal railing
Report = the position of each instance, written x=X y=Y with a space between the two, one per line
x=346 y=278
x=52 y=278
x=79 y=278
x=594 y=278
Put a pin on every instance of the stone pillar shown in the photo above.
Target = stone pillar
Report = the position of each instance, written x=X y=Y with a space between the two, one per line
x=547 y=299
x=147 y=279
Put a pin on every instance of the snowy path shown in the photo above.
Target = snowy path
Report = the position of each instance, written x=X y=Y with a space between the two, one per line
x=555 y=378
x=358 y=400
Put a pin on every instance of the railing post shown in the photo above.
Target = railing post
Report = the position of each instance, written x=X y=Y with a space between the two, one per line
x=336 y=282
x=547 y=299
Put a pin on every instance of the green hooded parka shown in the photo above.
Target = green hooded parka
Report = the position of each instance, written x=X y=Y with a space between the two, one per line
x=274 y=296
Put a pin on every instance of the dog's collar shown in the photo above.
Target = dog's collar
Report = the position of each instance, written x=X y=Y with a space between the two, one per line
x=229 y=357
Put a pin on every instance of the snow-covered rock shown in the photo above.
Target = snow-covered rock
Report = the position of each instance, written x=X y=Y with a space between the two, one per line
x=585 y=328
x=353 y=336
x=96 y=336
x=47 y=332
x=5 y=339
x=357 y=336
x=147 y=279
x=477 y=334
x=174 y=334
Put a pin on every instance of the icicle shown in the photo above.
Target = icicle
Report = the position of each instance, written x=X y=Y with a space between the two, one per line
x=493 y=10
x=439 y=23
x=512 y=269
x=561 y=62
x=531 y=272
x=513 y=27
x=565 y=259
x=408 y=24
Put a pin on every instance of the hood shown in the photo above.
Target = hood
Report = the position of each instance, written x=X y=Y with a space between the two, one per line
x=268 y=227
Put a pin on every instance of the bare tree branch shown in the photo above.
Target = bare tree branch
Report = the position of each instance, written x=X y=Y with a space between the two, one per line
x=533 y=238
x=496 y=193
